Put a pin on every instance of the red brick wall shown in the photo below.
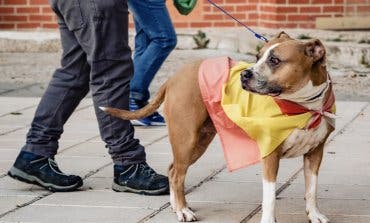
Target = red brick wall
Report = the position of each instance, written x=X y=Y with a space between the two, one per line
x=26 y=14
x=32 y=14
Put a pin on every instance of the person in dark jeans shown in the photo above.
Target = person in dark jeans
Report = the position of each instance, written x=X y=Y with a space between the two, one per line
x=155 y=39
x=96 y=57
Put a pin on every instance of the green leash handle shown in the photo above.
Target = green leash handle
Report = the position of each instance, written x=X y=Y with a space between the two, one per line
x=184 y=7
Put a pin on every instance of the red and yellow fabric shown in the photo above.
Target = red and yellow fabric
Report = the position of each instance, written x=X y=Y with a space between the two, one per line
x=250 y=126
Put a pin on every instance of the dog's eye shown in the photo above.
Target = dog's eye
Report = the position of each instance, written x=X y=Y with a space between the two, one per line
x=274 y=61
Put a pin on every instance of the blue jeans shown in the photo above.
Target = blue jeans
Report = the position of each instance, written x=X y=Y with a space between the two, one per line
x=155 y=39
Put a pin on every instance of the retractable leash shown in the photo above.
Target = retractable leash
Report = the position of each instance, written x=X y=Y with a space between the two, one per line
x=258 y=36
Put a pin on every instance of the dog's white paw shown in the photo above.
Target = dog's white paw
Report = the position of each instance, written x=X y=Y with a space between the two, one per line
x=185 y=215
x=316 y=217
x=268 y=220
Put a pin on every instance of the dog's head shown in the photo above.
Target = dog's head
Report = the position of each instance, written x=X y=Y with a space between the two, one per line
x=285 y=66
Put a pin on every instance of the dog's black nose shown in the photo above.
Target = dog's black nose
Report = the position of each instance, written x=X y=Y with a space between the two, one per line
x=247 y=73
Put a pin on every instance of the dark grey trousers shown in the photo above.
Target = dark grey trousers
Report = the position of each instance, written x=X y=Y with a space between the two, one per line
x=96 y=56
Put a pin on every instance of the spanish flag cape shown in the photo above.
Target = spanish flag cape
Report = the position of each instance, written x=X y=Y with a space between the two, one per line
x=250 y=126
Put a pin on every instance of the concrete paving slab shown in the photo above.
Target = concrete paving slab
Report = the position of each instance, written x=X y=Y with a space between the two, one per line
x=8 y=154
x=208 y=212
x=87 y=149
x=236 y=192
x=349 y=209
x=24 y=115
x=342 y=179
x=80 y=165
x=12 y=104
x=5 y=128
x=25 y=89
x=14 y=193
x=17 y=121
x=8 y=202
x=7 y=144
x=7 y=159
x=346 y=111
x=301 y=218
x=148 y=135
x=75 y=213
x=106 y=198
x=16 y=135
x=253 y=173
x=77 y=137
x=7 y=183
x=5 y=166
x=341 y=207
x=341 y=164
x=162 y=146
x=329 y=191
x=98 y=183
x=69 y=143
x=105 y=172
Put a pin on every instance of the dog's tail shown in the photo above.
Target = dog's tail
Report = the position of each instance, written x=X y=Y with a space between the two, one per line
x=141 y=113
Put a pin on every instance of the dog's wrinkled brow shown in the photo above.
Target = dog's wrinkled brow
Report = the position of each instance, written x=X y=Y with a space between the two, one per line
x=272 y=53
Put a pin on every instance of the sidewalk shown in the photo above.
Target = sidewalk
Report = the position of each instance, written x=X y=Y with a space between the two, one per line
x=215 y=194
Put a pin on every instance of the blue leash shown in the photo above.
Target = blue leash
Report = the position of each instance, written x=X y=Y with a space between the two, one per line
x=258 y=36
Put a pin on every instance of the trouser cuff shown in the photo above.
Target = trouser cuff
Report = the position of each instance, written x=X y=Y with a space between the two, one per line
x=48 y=150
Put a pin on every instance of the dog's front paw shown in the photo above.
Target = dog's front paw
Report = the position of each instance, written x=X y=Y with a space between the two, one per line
x=317 y=217
x=185 y=215
x=268 y=220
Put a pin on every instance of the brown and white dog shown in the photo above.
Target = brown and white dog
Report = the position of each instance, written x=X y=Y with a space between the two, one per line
x=289 y=69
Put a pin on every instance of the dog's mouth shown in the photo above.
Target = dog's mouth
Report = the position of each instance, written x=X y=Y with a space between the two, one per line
x=261 y=87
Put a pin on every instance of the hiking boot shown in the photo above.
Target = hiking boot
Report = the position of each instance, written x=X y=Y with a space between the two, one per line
x=154 y=119
x=43 y=171
x=139 y=178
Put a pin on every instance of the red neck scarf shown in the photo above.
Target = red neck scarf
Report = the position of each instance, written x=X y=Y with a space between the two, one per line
x=292 y=108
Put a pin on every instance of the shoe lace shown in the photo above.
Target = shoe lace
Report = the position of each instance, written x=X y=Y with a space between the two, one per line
x=146 y=169
x=54 y=167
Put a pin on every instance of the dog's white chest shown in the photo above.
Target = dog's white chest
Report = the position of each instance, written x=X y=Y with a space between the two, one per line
x=301 y=141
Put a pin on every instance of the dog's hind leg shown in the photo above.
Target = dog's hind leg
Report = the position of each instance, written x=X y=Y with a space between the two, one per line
x=206 y=135
x=270 y=169
x=177 y=193
x=186 y=152
x=312 y=163
x=183 y=142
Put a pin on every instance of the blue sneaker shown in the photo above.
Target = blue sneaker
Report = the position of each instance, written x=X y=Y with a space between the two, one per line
x=154 y=119
x=43 y=171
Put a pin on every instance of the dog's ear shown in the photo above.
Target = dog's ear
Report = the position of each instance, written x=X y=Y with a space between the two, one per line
x=279 y=38
x=283 y=35
x=316 y=50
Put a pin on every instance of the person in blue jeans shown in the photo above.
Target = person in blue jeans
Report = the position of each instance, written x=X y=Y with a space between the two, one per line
x=155 y=39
